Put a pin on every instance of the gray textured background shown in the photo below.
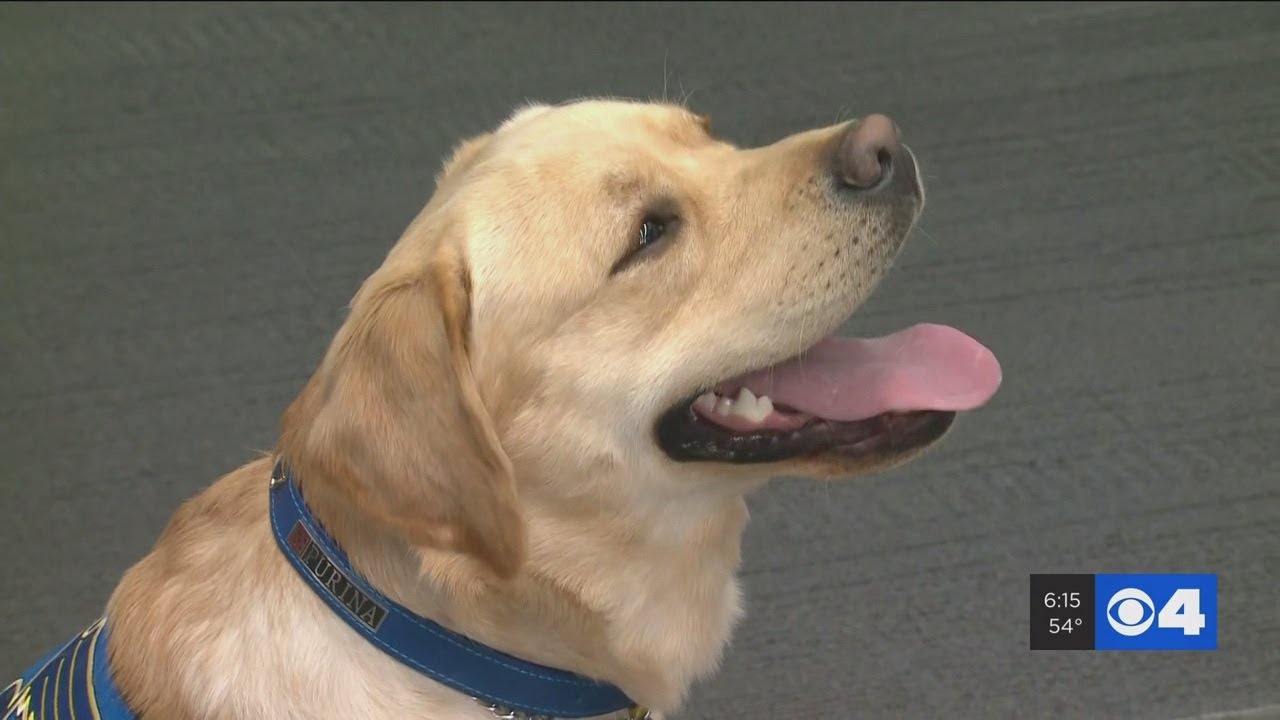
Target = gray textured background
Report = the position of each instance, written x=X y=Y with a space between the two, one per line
x=192 y=193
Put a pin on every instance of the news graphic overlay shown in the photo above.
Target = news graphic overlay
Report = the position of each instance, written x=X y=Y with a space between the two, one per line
x=1157 y=612
x=1124 y=612
x=1062 y=612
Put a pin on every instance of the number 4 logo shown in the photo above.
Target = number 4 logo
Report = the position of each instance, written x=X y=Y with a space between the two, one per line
x=1154 y=611
x=1182 y=611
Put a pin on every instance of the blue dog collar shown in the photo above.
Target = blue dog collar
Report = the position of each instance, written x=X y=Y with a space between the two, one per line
x=512 y=687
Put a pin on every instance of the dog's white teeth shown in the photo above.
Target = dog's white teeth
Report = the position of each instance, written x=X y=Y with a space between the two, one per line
x=706 y=402
x=748 y=406
x=765 y=405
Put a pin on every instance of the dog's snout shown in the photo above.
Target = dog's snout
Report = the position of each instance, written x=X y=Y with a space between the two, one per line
x=869 y=154
x=865 y=153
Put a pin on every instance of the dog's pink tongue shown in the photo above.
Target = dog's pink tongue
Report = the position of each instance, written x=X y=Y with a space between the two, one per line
x=925 y=367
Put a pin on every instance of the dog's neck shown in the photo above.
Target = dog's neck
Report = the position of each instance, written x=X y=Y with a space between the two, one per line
x=645 y=600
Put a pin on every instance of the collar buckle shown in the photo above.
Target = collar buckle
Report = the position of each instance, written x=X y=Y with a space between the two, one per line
x=278 y=475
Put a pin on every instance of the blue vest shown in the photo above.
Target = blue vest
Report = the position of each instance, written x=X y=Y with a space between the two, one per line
x=73 y=683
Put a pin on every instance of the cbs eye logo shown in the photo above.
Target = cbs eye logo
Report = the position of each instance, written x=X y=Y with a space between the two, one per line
x=1131 y=611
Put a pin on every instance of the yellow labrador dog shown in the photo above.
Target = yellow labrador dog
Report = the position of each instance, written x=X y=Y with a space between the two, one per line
x=514 y=486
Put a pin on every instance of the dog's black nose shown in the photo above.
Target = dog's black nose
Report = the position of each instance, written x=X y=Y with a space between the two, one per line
x=869 y=152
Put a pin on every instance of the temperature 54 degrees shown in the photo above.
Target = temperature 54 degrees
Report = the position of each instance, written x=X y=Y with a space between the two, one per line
x=1063 y=625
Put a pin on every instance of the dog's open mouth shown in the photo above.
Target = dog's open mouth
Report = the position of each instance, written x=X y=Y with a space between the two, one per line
x=852 y=396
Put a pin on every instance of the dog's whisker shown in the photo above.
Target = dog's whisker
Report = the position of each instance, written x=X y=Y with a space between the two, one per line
x=686 y=94
x=926 y=235
x=800 y=349
x=664 y=74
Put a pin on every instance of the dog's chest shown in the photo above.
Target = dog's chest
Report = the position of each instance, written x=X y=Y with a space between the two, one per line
x=320 y=671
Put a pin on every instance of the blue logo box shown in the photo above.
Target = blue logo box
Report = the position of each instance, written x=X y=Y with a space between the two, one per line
x=1156 y=612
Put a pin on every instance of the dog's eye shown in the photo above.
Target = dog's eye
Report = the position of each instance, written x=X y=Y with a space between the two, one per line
x=649 y=237
x=651 y=231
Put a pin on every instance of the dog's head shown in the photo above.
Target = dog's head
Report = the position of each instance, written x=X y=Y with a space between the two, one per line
x=605 y=301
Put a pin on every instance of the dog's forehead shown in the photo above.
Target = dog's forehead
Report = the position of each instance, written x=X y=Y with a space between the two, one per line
x=563 y=182
x=600 y=150
x=524 y=113
x=608 y=119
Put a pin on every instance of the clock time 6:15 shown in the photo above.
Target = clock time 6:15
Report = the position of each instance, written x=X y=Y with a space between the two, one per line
x=1067 y=600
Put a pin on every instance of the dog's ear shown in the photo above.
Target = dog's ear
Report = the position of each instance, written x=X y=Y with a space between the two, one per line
x=394 y=424
x=465 y=154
